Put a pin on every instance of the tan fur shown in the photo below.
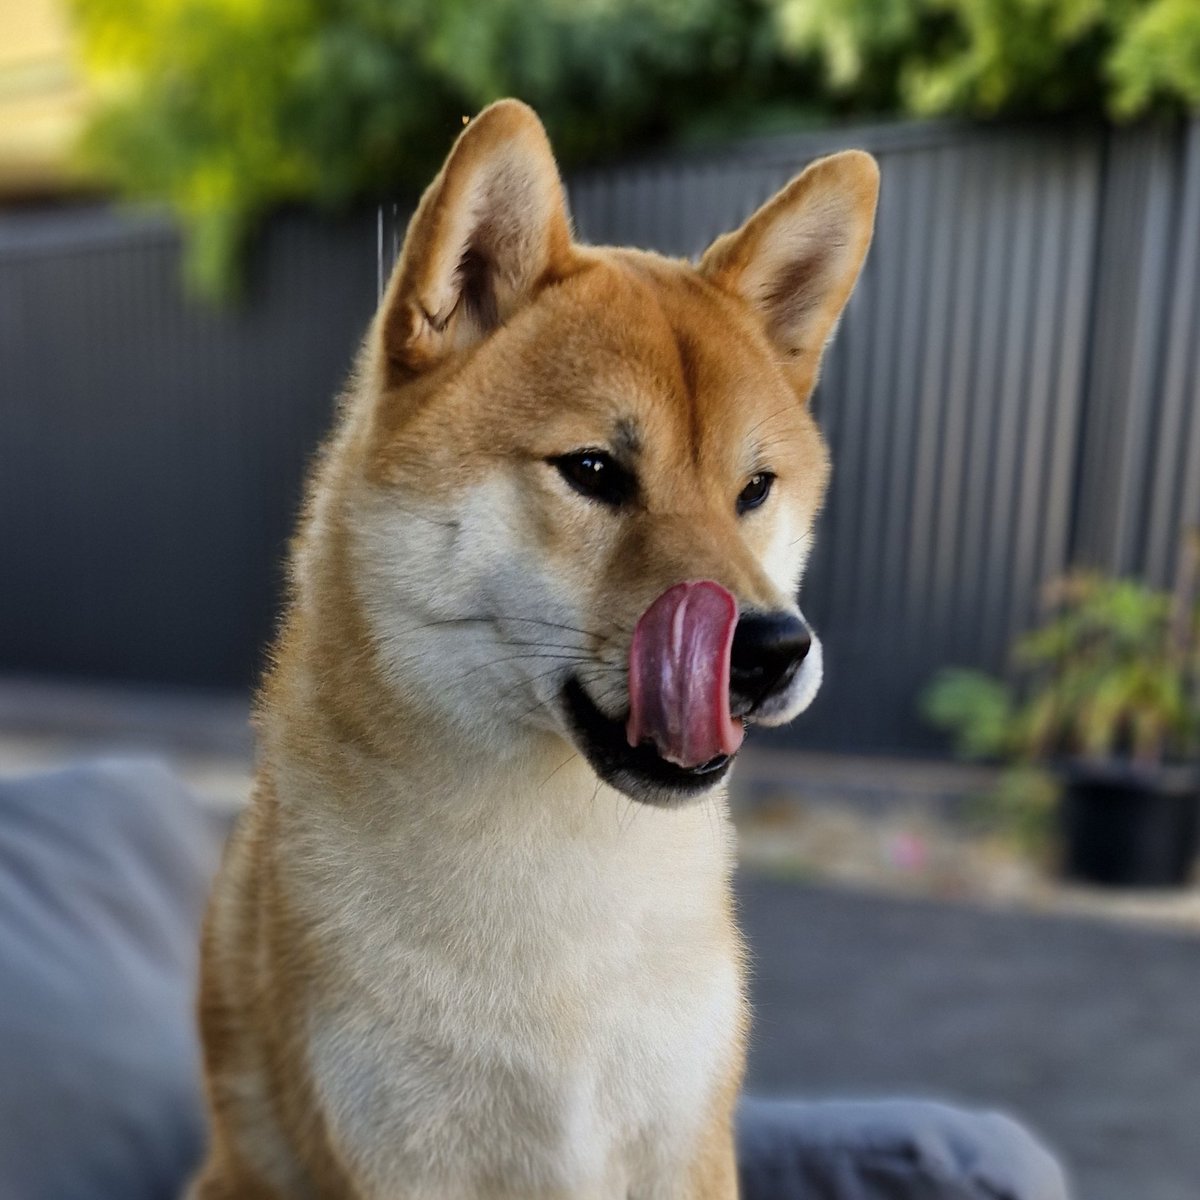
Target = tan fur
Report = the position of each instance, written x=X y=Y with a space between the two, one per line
x=443 y=960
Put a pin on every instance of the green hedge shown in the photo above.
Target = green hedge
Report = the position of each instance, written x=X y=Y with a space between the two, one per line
x=228 y=108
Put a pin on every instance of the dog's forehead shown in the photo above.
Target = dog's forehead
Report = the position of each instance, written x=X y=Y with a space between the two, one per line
x=649 y=349
x=638 y=354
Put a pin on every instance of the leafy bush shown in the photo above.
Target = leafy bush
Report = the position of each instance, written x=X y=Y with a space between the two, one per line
x=987 y=57
x=226 y=108
x=1113 y=673
x=1157 y=60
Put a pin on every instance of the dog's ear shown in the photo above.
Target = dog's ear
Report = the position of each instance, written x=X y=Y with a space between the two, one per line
x=490 y=231
x=796 y=260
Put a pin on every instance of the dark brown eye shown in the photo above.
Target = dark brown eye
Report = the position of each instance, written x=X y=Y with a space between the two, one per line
x=596 y=475
x=755 y=491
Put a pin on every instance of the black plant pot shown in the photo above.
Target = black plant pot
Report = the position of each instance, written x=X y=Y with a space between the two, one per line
x=1124 y=826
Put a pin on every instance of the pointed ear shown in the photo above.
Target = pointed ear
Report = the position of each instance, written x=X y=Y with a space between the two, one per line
x=489 y=233
x=796 y=260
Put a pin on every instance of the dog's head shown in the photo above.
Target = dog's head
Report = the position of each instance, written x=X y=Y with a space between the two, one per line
x=587 y=478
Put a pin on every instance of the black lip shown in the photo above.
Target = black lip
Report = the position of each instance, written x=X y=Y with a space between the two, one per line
x=638 y=771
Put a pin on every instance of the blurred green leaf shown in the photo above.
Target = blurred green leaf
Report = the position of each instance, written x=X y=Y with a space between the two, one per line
x=974 y=708
x=227 y=108
x=1021 y=809
x=1102 y=676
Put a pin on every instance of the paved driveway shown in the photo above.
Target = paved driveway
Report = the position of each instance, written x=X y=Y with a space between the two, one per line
x=1088 y=1031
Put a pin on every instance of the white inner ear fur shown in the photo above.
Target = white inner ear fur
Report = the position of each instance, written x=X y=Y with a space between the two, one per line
x=497 y=228
x=488 y=230
x=796 y=260
x=801 y=259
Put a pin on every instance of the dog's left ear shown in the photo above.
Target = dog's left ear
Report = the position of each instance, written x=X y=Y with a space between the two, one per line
x=489 y=233
x=796 y=260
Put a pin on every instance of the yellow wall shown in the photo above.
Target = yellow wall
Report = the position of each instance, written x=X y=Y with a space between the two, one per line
x=41 y=99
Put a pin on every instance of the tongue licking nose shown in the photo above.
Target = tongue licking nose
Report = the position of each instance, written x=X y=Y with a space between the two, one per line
x=679 y=675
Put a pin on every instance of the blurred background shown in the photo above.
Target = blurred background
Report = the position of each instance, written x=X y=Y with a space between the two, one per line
x=970 y=868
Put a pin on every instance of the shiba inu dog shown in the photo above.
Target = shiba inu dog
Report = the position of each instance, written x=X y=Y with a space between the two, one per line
x=474 y=936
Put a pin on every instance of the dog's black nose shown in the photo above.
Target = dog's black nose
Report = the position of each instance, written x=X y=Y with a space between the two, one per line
x=767 y=650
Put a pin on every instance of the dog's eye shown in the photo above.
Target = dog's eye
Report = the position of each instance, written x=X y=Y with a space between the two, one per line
x=755 y=492
x=596 y=475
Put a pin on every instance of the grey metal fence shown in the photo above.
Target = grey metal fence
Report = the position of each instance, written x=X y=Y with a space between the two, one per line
x=1014 y=387
x=151 y=449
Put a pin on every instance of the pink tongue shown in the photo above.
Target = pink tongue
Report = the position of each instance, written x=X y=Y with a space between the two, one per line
x=679 y=675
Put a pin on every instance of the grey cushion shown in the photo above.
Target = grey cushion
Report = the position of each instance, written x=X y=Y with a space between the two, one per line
x=103 y=873
x=889 y=1150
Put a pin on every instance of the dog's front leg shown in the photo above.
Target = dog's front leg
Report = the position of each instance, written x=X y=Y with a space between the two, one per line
x=712 y=1173
x=220 y=1181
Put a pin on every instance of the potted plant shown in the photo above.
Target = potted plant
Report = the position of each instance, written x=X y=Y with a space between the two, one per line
x=1106 y=697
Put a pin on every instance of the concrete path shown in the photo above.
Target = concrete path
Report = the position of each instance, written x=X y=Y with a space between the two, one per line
x=1088 y=1031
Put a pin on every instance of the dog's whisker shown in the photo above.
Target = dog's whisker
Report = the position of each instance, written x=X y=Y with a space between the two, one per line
x=498 y=662
x=512 y=691
x=584 y=675
x=574 y=754
x=587 y=677
x=767 y=419
x=506 y=641
x=631 y=810
x=613 y=625
x=712 y=818
x=408 y=512
x=499 y=619
x=517 y=643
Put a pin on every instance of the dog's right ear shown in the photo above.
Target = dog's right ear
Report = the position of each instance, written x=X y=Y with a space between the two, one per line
x=489 y=233
x=796 y=260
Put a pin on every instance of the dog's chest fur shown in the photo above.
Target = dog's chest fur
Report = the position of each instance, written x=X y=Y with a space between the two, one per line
x=556 y=966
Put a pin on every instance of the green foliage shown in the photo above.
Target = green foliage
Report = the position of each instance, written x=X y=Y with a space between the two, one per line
x=1113 y=672
x=861 y=45
x=1110 y=679
x=988 y=57
x=1018 y=55
x=975 y=709
x=1021 y=809
x=226 y=108
x=1157 y=62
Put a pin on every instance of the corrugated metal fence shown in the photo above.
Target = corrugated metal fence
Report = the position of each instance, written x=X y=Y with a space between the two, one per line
x=1013 y=388
x=151 y=449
